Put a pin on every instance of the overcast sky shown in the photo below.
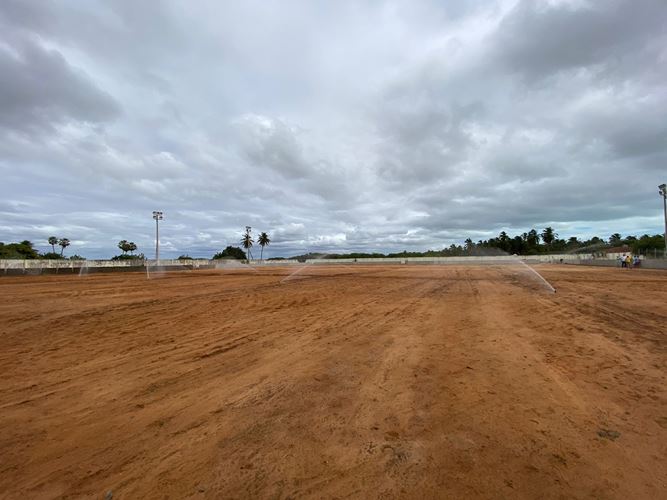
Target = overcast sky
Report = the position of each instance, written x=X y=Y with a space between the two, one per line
x=337 y=126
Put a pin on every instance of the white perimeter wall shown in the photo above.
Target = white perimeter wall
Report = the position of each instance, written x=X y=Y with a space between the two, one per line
x=454 y=260
x=586 y=259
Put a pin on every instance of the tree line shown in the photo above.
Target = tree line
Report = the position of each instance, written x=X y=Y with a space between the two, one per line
x=528 y=243
x=548 y=241
x=26 y=250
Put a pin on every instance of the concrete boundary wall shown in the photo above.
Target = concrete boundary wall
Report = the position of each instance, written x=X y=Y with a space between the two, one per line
x=69 y=264
x=39 y=266
x=468 y=259
x=645 y=263
x=274 y=263
x=58 y=266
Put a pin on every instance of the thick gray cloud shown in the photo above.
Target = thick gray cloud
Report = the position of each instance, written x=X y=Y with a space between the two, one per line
x=40 y=89
x=356 y=126
x=539 y=39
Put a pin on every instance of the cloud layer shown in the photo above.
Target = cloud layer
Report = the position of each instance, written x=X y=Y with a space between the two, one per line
x=370 y=126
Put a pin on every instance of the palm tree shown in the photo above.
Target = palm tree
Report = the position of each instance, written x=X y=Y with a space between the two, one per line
x=64 y=243
x=53 y=241
x=263 y=240
x=504 y=240
x=247 y=241
x=532 y=239
x=122 y=244
x=548 y=236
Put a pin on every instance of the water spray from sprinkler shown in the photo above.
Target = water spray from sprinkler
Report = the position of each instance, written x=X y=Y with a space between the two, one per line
x=541 y=278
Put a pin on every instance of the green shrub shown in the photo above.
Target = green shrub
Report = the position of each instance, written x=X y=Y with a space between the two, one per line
x=230 y=253
x=52 y=256
x=125 y=256
x=23 y=250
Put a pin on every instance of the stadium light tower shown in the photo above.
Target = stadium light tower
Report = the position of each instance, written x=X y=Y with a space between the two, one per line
x=158 y=217
x=662 y=189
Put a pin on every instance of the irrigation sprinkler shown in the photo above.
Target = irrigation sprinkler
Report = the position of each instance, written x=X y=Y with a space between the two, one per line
x=157 y=215
x=662 y=190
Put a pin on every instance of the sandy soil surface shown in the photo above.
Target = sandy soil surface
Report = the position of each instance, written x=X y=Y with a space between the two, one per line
x=342 y=382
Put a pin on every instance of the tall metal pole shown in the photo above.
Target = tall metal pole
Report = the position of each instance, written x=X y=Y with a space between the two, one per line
x=157 y=215
x=663 y=192
x=157 y=239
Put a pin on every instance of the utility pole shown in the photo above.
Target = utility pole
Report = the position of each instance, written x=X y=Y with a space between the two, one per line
x=662 y=190
x=158 y=217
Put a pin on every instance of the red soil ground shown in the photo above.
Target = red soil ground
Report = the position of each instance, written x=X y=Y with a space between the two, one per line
x=362 y=382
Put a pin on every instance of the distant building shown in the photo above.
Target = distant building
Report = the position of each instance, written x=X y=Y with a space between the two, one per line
x=621 y=249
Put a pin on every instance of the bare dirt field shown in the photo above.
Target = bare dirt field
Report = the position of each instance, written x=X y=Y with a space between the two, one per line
x=346 y=381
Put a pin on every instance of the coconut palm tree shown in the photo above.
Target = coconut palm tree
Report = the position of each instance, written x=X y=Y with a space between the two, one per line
x=53 y=241
x=247 y=241
x=64 y=243
x=548 y=236
x=263 y=240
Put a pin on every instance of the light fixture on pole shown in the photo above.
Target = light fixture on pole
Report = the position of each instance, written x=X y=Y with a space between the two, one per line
x=662 y=190
x=158 y=217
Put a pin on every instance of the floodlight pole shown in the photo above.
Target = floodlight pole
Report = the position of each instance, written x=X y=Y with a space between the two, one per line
x=662 y=190
x=157 y=215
